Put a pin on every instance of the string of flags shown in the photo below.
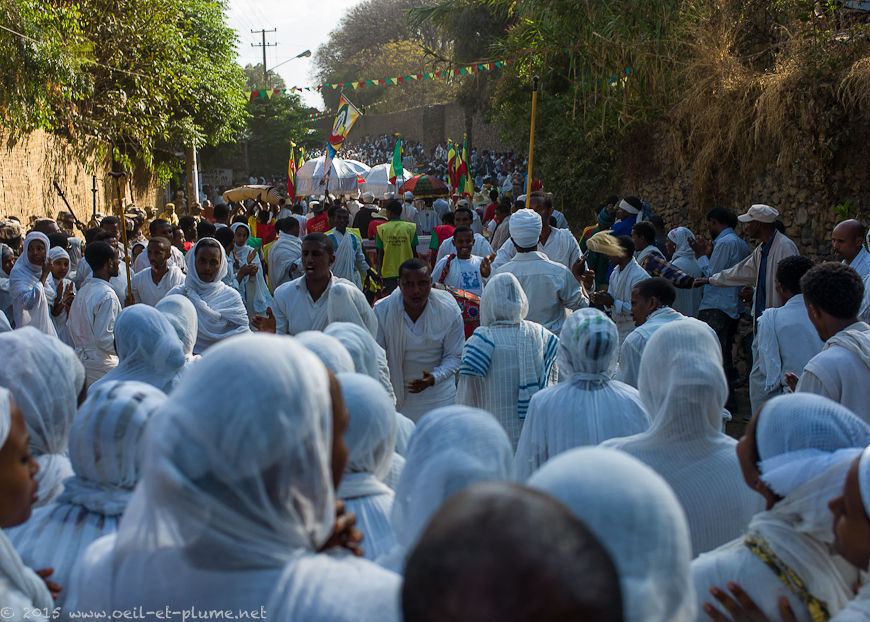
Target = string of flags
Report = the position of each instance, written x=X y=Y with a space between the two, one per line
x=357 y=84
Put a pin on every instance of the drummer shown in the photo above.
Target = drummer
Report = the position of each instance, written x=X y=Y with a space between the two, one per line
x=462 y=269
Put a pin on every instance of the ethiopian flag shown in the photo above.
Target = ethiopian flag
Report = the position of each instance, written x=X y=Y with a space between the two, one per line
x=464 y=184
x=291 y=175
x=396 y=169
x=451 y=164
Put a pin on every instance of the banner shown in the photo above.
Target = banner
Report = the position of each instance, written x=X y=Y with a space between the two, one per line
x=344 y=119
x=396 y=169
x=291 y=176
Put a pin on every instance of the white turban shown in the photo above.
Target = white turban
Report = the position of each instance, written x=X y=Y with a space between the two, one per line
x=525 y=228
x=627 y=207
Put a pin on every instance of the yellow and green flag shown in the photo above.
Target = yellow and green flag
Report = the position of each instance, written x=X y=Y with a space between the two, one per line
x=396 y=169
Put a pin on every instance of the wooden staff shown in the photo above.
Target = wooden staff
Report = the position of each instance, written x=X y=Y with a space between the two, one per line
x=532 y=135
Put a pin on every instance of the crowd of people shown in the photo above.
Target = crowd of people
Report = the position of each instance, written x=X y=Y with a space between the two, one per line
x=310 y=411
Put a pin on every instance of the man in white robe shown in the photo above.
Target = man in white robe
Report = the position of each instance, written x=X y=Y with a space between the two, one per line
x=553 y=291
x=758 y=270
x=285 y=254
x=847 y=244
x=841 y=371
x=463 y=218
x=626 y=274
x=118 y=282
x=92 y=314
x=350 y=260
x=422 y=332
x=302 y=304
x=428 y=218
x=152 y=284
x=785 y=339
x=557 y=244
x=651 y=302
x=409 y=212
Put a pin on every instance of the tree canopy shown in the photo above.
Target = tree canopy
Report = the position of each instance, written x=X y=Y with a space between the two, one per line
x=143 y=78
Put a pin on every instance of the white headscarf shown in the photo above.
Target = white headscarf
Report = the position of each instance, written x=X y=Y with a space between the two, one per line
x=346 y=304
x=253 y=286
x=45 y=377
x=639 y=521
x=800 y=435
x=368 y=357
x=451 y=449
x=20 y=578
x=56 y=253
x=370 y=436
x=526 y=228
x=237 y=473
x=220 y=310
x=148 y=348
x=328 y=349
x=680 y=236
x=29 y=304
x=106 y=452
x=683 y=387
x=182 y=315
x=504 y=303
x=588 y=346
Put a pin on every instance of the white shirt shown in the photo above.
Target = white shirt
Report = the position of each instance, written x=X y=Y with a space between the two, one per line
x=861 y=263
x=842 y=373
x=296 y=311
x=550 y=287
x=632 y=348
x=560 y=247
x=481 y=247
x=176 y=259
x=409 y=214
x=785 y=341
x=428 y=219
x=146 y=292
x=621 y=283
x=91 y=325
x=463 y=273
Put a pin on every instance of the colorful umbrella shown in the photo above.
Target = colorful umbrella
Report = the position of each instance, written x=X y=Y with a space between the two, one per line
x=425 y=187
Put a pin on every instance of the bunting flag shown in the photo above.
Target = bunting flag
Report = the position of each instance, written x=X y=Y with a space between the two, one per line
x=291 y=175
x=358 y=84
x=396 y=169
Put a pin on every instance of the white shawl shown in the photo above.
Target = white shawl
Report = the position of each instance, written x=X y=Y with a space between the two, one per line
x=253 y=288
x=29 y=304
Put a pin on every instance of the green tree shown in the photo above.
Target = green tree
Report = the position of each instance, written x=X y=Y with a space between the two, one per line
x=254 y=78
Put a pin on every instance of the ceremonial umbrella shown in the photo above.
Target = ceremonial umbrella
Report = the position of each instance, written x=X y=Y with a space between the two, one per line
x=425 y=187
x=377 y=181
x=309 y=177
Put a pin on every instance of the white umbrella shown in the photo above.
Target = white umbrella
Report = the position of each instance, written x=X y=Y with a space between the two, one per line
x=342 y=177
x=359 y=167
x=378 y=181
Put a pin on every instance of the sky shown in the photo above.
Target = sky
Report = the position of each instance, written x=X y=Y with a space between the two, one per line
x=301 y=25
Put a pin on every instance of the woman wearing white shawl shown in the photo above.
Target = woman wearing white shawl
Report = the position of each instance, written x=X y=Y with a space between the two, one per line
x=683 y=388
x=346 y=305
x=252 y=287
x=27 y=285
x=371 y=440
x=148 y=348
x=46 y=378
x=328 y=349
x=51 y=293
x=237 y=491
x=507 y=359
x=220 y=310
x=7 y=255
x=21 y=589
x=637 y=518
x=591 y=406
x=105 y=452
x=451 y=449
x=683 y=257
x=796 y=453
x=368 y=357
x=182 y=315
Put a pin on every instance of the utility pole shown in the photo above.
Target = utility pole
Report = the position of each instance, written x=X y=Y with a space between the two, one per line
x=264 y=45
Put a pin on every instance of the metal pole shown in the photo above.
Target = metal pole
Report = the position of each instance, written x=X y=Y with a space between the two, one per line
x=94 y=190
x=265 y=73
x=532 y=136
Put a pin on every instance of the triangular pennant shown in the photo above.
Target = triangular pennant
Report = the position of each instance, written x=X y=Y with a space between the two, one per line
x=419 y=76
x=269 y=94
x=262 y=94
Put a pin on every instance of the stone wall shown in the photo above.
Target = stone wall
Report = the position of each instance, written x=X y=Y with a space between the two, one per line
x=430 y=125
x=28 y=168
